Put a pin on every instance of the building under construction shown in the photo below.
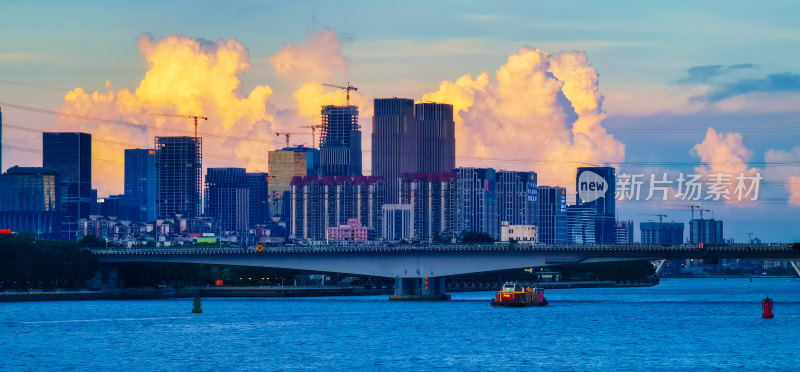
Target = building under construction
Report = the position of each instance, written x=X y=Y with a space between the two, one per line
x=318 y=203
x=179 y=164
x=340 y=141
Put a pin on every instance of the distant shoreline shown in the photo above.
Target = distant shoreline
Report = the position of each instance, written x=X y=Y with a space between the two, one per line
x=258 y=292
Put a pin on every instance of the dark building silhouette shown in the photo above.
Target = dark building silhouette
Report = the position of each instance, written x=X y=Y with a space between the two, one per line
x=707 y=231
x=141 y=181
x=516 y=197
x=179 y=167
x=661 y=232
x=340 y=141
x=228 y=198
x=1 y=141
x=121 y=206
x=552 y=215
x=70 y=155
x=258 y=185
x=394 y=142
x=30 y=201
x=436 y=149
x=604 y=206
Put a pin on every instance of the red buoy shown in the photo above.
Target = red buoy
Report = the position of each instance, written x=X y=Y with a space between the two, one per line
x=766 y=304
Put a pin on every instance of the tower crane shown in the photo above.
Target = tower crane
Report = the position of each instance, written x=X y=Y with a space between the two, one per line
x=313 y=133
x=195 y=117
x=660 y=216
x=346 y=88
x=286 y=135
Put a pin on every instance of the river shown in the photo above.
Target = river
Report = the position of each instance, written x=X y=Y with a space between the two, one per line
x=681 y=324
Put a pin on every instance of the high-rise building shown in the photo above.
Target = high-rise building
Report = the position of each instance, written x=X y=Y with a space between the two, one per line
x=625 y=232
x=706 y=231
x=30 y=201
x=596 y=187
x=340 y=141
x=516 y=197
x=436 y=149
x=552 y=215
x=123 y=207
x=227 y=198
x=661 y=232
x=258 y=184
x=477 y=201
x=581 y=225
x=394 y=142
x=179 y=169
x=398 y=222
x=284 y=165
x=434 y=199
x=318 y=203
x=140 y=181
x=1 y=141
x=70 y=155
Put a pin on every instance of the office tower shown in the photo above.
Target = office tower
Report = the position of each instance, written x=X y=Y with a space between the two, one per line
x=227 y=198
x=258 y=184
x=706 y=231
x=140 y=181
x=434 y=199
x=318 y=203
x=70 y=154
x=552 y=215
x=625 y=232
x=580 y=225
x=179 y=169
x=662 y=232
x=284 y=165
x=477 y=201
x=340 y=141
x=398 y=222
x=516 y=197
x=394 y=142
x=30 y=201
x=595 y=188
x=121 y=206
x=436 y=149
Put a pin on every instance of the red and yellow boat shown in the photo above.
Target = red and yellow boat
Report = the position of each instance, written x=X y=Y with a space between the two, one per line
x=515 y=295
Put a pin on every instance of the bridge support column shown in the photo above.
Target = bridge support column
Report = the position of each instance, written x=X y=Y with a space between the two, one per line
x=419 y=289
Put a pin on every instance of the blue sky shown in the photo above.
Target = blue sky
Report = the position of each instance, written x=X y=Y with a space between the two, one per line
x=731 y=65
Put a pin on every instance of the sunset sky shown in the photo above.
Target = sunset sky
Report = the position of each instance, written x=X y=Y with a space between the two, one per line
x=636 y=85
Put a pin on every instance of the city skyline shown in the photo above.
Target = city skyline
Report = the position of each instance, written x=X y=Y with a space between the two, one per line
x=652 y=113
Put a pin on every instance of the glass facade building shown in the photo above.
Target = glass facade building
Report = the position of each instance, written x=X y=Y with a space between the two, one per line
x=605 y=205
x=552 y=214
x=141 y=181
x=30 y=201
x=227 y=198
x=340 y=141
x=70 y=155
x=661 y=232
x=179 y=169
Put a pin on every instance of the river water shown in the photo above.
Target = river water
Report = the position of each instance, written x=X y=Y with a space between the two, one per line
x=681 y=324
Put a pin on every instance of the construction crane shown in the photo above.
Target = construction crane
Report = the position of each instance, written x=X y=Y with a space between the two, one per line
x=313 y=134
x=287 y=135
x=347 y=88
x=660 y=216
x=195 y=117
x=693 y=207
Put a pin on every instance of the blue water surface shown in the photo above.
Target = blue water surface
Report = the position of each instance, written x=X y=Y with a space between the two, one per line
x=681 y=324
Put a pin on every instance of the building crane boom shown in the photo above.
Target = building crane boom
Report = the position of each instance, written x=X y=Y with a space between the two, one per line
x=287 y=135
x=346 y=88
x=313 y=133
x=195 y=117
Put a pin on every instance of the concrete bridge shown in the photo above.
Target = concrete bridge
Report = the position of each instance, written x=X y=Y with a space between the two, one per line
x=419 y=270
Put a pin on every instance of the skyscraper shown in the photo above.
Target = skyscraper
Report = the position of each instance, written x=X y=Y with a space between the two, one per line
x=394 y=142
x=70 y=155
x=436 y=151
x=707 y=231
x=516 y=197
x=30 y=201
x=625 y=232
x=580 y=225
x=340 y=141
x=477 y=201
x=227 y=198
x=595 y=188
x=1 y=141
x=258 y=184
x=284 y=165
x=140 y=181
x=434 y=199
x=179 y=169
x=552 y=215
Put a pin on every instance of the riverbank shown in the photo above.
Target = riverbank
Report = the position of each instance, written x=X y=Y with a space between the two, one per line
x=229 y=292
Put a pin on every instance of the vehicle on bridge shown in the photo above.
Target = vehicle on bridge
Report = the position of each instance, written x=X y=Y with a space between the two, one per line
x=515 y=295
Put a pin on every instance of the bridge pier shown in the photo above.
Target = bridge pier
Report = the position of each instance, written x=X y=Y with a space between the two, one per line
x=419 y=289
